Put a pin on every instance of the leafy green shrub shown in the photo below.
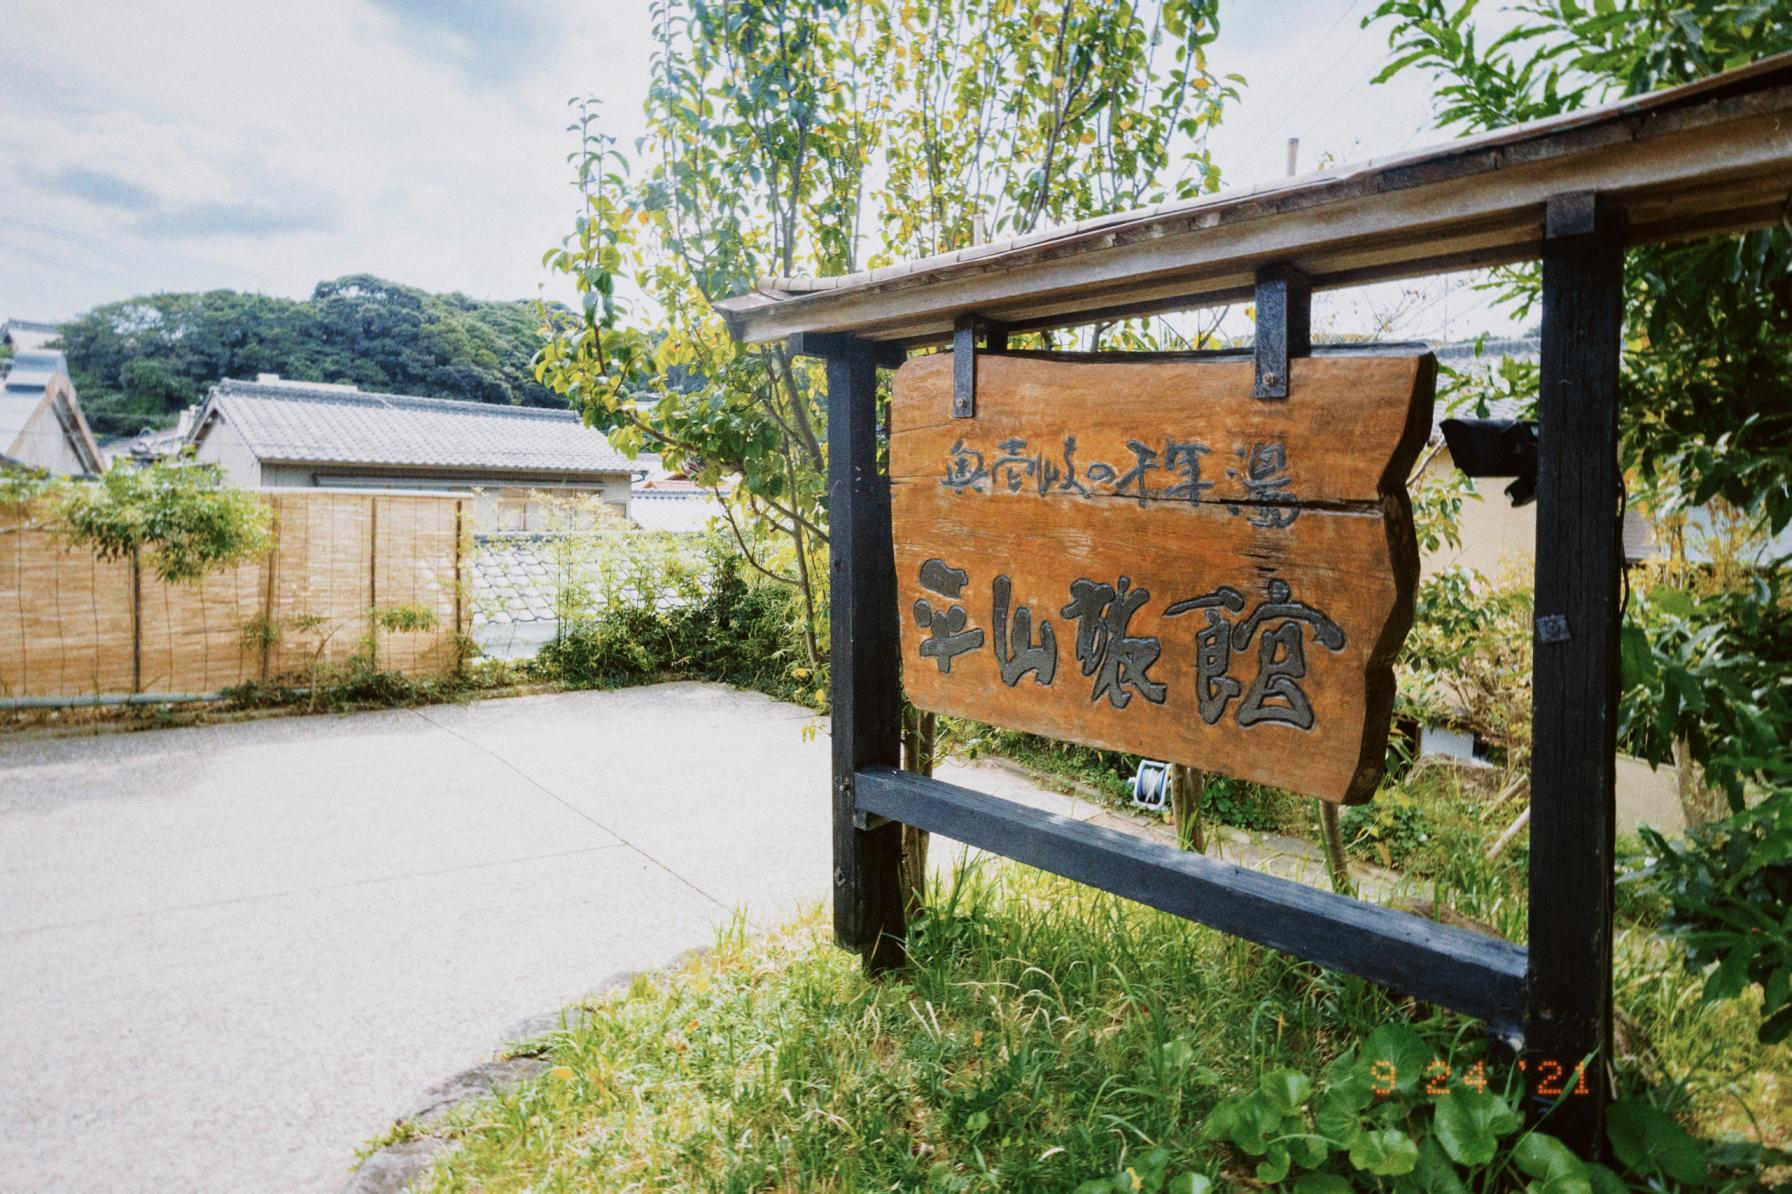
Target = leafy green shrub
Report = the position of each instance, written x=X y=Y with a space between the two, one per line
x=1390 y=829
x=1246 y=805
x=1467 y=659
x=1392 y=1115
x=1728 y=891
x=624 y=646
x=176 y=515
x=360 y=685
x=718 y=626
x=748 y=634
x=1709 y=672
x=405 y=619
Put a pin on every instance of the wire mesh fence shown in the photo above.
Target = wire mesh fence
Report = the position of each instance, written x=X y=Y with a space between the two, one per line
x=529 y=586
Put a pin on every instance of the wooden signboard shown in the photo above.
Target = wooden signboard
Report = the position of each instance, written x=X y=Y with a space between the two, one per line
x=1136 y=554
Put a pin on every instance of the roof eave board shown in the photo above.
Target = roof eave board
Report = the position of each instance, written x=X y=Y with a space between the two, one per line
x=1708 y=158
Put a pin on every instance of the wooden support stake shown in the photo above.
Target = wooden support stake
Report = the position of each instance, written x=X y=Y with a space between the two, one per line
x=1187 y=786
x=1574 y=679
x=867 y=720
x=918 y=730
x=1337 y=859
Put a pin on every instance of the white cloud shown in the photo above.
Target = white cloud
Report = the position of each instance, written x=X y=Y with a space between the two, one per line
x=154 y=144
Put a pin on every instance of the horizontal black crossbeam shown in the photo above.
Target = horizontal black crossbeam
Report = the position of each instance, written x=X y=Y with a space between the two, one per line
x=1474 y=974
x=834 y=345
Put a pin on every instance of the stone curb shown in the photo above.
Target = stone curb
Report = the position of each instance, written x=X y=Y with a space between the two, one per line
x=392 y=1169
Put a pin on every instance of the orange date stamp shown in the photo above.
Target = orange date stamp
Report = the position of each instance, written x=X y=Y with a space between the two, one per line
x=1544 y=1076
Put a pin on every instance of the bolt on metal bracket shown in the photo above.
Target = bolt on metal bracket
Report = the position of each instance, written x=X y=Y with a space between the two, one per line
x=1284 y=327
x=965 y=330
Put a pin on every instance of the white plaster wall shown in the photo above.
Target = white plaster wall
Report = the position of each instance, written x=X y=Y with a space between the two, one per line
x=43 y=444
x=1498 y=540
x=276 y=476
x=223 y=447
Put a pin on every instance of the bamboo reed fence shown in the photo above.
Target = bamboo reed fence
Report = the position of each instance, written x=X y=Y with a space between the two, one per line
x=74 y=625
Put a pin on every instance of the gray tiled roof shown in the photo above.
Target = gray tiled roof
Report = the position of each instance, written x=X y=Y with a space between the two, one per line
x=22 y=391
x=1468 y=356
x=293 y=423
x=1488 y=350
x=33 y=370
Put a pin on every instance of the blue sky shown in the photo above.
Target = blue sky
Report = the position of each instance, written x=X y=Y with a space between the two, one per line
x=153 y=145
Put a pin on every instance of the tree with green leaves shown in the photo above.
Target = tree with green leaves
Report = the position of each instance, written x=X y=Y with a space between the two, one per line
x=1705 y=420
x=175 y=515
x=824 y=138
x=137 y=363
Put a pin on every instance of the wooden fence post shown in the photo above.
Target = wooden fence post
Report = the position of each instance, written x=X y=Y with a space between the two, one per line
x=136 y=620
x=1574 y=677
x=460 y=661
x=271 y=576
x=373 y=583
x=867 y=687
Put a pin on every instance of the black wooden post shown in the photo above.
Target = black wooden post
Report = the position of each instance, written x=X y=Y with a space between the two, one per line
x=867 y=686
x=1574 y=679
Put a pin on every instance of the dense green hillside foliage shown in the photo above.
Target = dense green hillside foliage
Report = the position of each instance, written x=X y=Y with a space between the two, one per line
x=137 y=363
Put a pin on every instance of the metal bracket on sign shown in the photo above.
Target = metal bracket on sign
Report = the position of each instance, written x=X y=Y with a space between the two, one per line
x=964 y=360
x=1284 y=327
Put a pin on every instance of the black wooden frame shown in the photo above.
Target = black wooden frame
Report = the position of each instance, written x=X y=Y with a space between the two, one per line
x=1552 y=1000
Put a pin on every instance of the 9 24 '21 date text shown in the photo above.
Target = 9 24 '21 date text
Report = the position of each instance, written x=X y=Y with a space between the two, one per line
x=1545 y=1077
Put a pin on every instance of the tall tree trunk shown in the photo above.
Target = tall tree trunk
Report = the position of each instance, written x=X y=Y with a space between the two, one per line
x=918 y=730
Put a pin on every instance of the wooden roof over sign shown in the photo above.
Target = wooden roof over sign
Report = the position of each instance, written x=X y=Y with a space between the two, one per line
x=1703 y=159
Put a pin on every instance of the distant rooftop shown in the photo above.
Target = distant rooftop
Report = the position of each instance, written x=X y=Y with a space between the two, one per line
x=1456 y=352
x=682 y=509
x=1463 y=356
x=22 y=391
x=25 y=334
x=32 y=370
x=307 y=423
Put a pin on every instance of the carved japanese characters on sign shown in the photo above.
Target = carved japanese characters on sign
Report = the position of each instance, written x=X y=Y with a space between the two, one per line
x=1141 y=556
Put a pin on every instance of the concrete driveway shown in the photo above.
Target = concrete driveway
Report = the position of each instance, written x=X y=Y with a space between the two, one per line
x=230 y=954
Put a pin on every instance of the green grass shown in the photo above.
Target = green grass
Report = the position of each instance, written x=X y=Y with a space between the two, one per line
x=1107 y=772
x=1043 y=1035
